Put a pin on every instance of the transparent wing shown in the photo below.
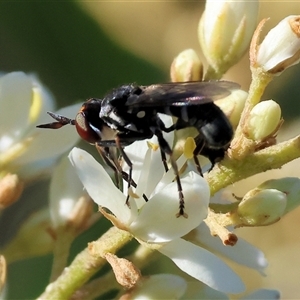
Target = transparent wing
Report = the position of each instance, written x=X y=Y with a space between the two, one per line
x=179 y=94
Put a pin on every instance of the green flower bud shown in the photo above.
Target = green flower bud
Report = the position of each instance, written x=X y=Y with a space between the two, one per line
x=261 y=207
x=263 y=121
x=289 y=186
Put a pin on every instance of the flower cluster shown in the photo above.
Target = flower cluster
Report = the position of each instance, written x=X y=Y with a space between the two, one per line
x=147 y=211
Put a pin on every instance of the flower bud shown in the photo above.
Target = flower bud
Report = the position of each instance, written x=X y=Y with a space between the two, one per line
x=233 y=106
x=288 y=185
x=263 y=121
x=225 y=31
x=186 y=67
x=280 y=48
x=11 y=188
x=261 y=207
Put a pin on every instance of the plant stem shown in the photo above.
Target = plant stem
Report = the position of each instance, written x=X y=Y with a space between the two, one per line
x=230 y=171
x=86 y=264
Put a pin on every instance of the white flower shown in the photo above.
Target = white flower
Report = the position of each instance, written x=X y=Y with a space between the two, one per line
x=225 y=31
x=24 y=149
x=203 y=265
x=155 y=221
x=280 y=48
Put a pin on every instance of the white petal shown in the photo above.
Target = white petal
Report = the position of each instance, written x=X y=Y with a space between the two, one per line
x=280 y=44
x=48 y=143
x=65 y=190
x=99 y=185
x=157 y=221
x=203 y=265
x=242 y=252
x=143 y=180
x=137 y=151
x=169 y=176
x=162 y=286
x=46 y=101
x=15 y=102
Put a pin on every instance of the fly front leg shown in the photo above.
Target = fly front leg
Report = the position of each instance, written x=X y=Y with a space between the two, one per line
x=111 y=159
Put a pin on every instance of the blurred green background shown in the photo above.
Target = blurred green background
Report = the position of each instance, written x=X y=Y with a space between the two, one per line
x=83 y=49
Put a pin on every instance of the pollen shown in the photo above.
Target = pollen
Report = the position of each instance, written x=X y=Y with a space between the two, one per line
x=189 y=147
x=152 y=146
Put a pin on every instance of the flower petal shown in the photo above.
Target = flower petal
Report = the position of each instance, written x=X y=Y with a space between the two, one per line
x=99 y=185
x=15 y=102
x=157 y=221
x=65 y=190
x=203 y=265
x=43 y=101
x=242 y=252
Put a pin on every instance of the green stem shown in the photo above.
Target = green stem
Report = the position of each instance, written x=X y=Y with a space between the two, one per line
x=97 y=287
x=230 y=171
x=61 y=250
x=86 y=264
x=241 y=145
x=259 y=82
x=142 y=256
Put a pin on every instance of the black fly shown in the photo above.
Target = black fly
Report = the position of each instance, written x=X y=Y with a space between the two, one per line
x=130 y=113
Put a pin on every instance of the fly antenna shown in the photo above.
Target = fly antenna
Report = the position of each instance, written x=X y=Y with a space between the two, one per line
x=61 y=121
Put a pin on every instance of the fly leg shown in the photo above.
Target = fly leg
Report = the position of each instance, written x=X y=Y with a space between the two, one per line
x=112 y=161
x=200 y=143
x=165 y=149
x=129 y=164
x=214 y=155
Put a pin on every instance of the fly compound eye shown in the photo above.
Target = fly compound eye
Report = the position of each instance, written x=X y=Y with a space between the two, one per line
x=85 y=129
